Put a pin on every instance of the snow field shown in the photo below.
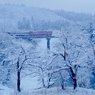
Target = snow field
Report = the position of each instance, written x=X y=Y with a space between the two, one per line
x=56 y=91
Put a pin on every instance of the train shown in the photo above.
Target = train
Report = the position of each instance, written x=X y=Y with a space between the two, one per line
x=41 y=33
x=32 y=33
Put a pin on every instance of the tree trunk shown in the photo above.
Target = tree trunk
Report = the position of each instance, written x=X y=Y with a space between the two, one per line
x=49 y=79
x=43 y=83
x=73 y=78
x=18 y=81
x=62 y=85
x=62 y=81
x=75 y=83
x=18 y=77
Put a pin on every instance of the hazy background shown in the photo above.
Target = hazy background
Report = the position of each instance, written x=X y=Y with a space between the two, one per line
x=87 y=6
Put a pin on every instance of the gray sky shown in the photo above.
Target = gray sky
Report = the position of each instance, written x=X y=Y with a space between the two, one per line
x=87 y=6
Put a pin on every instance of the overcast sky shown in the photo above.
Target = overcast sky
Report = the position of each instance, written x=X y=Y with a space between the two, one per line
x=87 y=6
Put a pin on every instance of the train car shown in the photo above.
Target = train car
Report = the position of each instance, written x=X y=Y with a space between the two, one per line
x=41 y=33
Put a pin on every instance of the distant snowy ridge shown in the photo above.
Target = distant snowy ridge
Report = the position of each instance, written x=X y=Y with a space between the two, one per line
x=20 y=17
x=17 y=12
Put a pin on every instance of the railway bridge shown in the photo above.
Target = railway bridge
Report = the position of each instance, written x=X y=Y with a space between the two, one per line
x=35 y=34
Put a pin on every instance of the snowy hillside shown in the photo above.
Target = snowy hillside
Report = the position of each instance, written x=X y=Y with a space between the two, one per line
x=24 y=18
x=12 y=15
x=17 y=12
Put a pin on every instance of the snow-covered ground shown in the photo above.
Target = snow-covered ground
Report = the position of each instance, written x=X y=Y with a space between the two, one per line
x=51 y=91
x=32 y=83
x=5 y=90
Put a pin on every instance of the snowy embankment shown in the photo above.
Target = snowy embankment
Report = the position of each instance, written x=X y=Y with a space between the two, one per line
x=54 y=91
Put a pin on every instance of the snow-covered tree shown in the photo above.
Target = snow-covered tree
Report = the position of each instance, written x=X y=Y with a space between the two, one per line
x=76 y=52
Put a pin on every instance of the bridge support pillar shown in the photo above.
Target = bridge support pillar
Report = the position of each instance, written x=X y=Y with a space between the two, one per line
x=48 y=43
